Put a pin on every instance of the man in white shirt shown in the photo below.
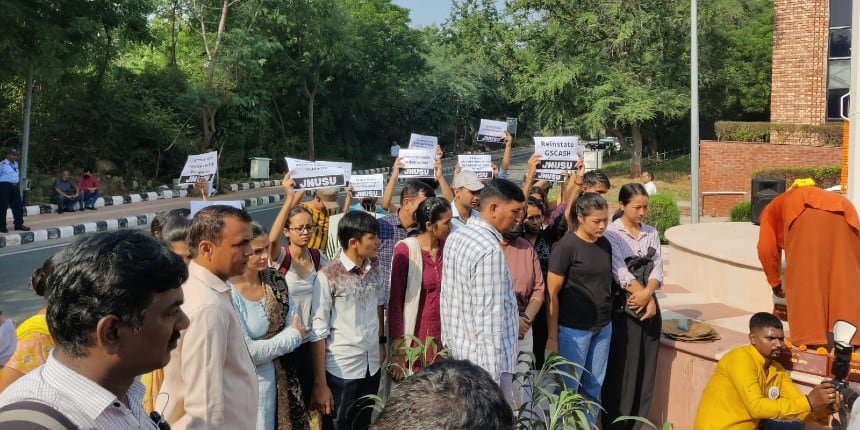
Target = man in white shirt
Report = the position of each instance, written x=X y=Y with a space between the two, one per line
x=346 y=330
x=467 y=188
x=395 y=150
x=211 y=382
x=114 y=311
x=647 y=179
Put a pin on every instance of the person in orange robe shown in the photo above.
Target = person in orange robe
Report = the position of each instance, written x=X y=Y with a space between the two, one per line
x=818 y=230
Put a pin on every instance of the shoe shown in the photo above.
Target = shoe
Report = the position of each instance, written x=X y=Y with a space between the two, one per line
x=92 y=208
x=59 y=211
x=22 y=228
x=70 y=210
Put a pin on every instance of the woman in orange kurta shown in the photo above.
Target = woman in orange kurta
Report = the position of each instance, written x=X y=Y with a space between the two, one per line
x=818 y=230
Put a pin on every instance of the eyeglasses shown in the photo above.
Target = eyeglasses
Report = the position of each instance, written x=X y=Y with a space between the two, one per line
x=303 y=228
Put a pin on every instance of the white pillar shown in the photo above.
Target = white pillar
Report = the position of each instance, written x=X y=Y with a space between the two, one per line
x=854 y=109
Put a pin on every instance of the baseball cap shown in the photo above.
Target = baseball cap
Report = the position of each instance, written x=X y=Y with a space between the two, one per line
x=328 y=196
x=468 y=179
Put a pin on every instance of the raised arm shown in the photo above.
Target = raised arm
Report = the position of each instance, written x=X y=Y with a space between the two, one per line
x=506 y=156
x=447 y=193
x=531 y=167
x=347 y=199
x=388 y=194
x=278 y=225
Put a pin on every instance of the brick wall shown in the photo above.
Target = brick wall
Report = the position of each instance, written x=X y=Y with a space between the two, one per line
x=799 y=71
x=728 y=166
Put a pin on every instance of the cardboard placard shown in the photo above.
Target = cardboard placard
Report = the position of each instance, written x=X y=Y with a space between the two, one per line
x=419 y=141
x=293 y=163
x=418 y=163
x=200 y=166
x=481 y=164
x=367 y=185
x=313 y=177
x=491 y=131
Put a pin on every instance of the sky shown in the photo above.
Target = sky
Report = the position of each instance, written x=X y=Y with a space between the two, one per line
x=426 y=12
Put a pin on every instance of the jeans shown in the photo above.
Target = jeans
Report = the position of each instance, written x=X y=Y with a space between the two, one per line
x=351 y=409
x=64 y=204
x=591 y=351
x=781 y=425
x=88 y=199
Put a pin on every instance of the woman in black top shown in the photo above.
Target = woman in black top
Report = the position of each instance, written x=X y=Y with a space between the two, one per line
x=580 y=300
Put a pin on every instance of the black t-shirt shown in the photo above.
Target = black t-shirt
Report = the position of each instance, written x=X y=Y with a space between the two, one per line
x=585 y=299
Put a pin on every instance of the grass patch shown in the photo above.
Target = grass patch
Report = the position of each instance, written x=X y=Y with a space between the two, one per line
x=670 y=176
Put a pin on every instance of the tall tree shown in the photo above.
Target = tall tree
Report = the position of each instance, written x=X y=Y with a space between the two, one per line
x=604 y=65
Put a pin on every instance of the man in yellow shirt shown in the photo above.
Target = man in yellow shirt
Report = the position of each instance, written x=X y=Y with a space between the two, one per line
x=749 y=390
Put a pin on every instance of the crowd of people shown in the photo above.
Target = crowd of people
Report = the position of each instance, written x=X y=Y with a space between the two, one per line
x=441 y=305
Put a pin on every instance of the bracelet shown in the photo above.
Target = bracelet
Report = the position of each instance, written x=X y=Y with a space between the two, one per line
x=526 y=316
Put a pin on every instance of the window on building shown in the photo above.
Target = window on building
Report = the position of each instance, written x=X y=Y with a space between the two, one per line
x=838 y=57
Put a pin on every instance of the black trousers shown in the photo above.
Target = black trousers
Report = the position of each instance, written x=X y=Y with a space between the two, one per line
x=629 y=384
x=10 y=196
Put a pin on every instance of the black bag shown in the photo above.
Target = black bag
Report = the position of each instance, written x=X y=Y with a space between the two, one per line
x=640 y=267
x=31 y=415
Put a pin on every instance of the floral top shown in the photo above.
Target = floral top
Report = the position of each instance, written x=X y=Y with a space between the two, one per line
x=33 y=346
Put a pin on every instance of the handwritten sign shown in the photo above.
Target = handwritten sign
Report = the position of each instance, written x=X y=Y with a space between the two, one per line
x=367 y=185
x=313 y=177
x=492 y=131
x=557 y=154
x=293 y=163
x=480 y=164
x=200 y=166
x=418 y=163
x=418 y=141
x=346 y=167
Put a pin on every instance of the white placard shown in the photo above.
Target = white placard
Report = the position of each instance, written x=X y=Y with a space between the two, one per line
x=367 y=185
x=197 y=205
x=417 y=163
x=419 y=141
x=557 y=154
x=200 y=166
x=480 y=164
x=292 y=163
x=346 y=167
x=491 y=131
x=313 y=177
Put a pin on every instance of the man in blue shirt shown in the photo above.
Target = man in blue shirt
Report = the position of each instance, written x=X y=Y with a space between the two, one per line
x=10 y=195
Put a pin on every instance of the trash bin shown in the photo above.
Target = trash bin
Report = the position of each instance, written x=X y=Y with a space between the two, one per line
x=260 y=167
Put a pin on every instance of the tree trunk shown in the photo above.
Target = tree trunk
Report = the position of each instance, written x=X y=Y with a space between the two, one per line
x=311 y=99
x=636 y=155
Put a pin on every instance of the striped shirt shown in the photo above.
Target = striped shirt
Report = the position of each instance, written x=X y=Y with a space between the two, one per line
x=391 y=231
x=477 y=303
x=320 y=219
x=625 y=245
x=84 y=402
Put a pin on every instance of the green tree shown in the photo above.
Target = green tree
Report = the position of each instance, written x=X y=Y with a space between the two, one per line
x=602 y=65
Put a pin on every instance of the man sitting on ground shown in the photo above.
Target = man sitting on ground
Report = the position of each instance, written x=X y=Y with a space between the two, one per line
x=65 y=193
x=750 y=390
x=88 y=190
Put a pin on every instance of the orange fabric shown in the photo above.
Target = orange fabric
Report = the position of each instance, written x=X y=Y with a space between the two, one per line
x=818 y=230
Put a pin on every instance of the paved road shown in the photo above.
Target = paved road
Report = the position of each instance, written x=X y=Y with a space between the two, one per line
x=17 y=264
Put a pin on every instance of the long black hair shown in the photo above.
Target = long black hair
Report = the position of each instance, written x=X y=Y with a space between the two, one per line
x=583 y=205
x=430 y=210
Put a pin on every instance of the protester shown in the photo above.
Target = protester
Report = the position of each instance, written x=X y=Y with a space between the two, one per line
x=65 y=193
x=467 y=188
x=34 y=339
x=583 y=182
x=647 y=179
x=751 y=390
x=347 y=333
x=399 y=225
x=210 y=381
x=322 y=206
x=394 y=152
x=416 y=276
x=367 y=204
x=528 y=283
x=10 y=194
x=8 y=341
x=818 y=230
x=534 y=233
x=450 y=394
x=579 y=299
x=270 y=320
x=88 y=190
x=114 y=311
x=477 y=302
x=629 y=384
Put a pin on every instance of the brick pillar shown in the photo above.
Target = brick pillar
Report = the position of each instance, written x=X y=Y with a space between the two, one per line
x=799 y=71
